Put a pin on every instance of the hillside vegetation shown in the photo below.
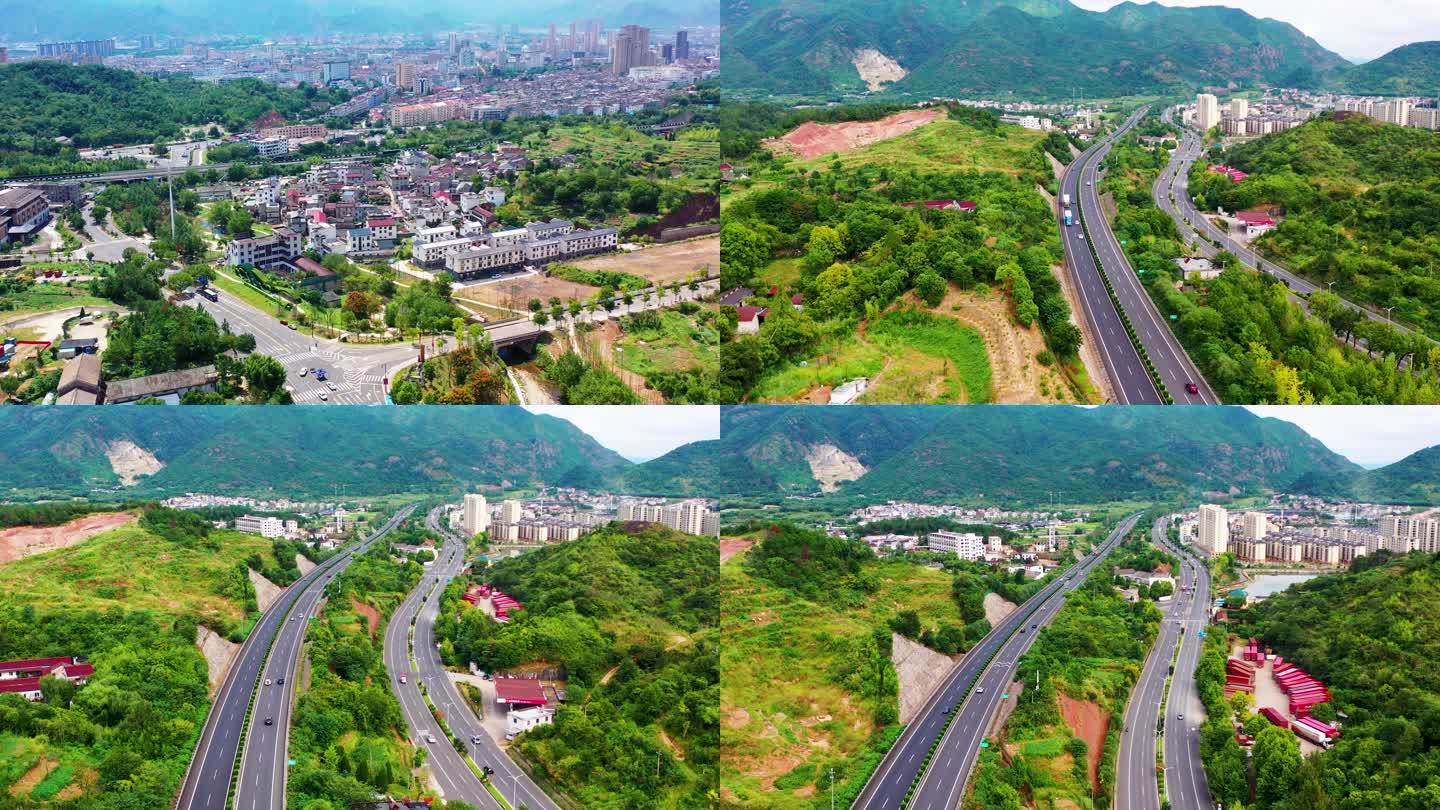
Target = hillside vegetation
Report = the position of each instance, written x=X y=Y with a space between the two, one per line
x=632 y=618
x=850 y=237
x=1362 y=208
x=99 y=106
x=1371 y=636
x=1036 y=48
x=1091 y=653
x=129 y=599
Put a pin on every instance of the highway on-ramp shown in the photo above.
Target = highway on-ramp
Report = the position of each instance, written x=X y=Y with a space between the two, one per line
x=207 y=781
x=1136 y=787
x=1129 y=379
x=988 y=665
x=452 y=775
x=1174 y=366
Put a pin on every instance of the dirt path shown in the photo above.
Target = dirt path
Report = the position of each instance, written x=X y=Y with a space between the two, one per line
x=811 y=140
x=23 y=541
x=730 y=546
x=1089 y=353
x=675 y=750
x=535 y=393
x=372 y=616
x=1089 y=722
x=34 y=776
x=1016 y=376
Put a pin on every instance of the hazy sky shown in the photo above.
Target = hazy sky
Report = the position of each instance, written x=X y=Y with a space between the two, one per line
x=640 y=433
x=1369 y=435
x=1354 y=30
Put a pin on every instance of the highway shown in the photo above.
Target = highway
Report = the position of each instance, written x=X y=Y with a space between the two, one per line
x=207 y=780
x=1171 y=193
x=1176 y=370
x=1186 y=788
x=513 y=783
x=1130 y=381
x=989 y=665
x=452 y=776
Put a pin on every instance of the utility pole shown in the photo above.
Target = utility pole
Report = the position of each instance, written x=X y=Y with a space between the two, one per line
x=832 y=789
x=170 y=185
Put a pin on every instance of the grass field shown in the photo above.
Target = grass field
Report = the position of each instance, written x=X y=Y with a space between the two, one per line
x=132 y=569
x=39 y=298
x=681 y=342
x=34 y=768
x=945 y=144
x=783 y=713
x=909 y=356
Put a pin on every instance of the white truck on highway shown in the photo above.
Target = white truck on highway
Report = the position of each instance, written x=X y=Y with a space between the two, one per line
x=1064 y=199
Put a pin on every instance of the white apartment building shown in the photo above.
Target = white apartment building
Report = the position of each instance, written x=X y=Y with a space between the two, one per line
x=691 y=517
x=477 y=514
x=441 y=233
x=1239 y=109
x=1256 y=525
x=1214 y=536
x=263 y=526
x=434 y=254
x=1207 y=111
x=966 y=546
x=1405 y=533
x=511 y=511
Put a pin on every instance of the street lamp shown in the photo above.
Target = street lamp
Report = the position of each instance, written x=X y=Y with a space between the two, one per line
x=1388 y=310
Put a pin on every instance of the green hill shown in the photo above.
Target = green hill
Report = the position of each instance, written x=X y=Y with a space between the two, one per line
x=1410 y=70
x=1362 y=209
x=296 y=451
x=632 y=616
x=1413 y=479
x=1018 y=454
x=1372 y=636
x=1038 y=48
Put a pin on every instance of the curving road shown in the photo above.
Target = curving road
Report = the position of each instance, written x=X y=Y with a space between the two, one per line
x=989 y=665
x=1136 y=787
x=207 y=781
x=1128 y=378
x=513 y=783
x=1171 y=193
x=1174 y=366
x=452 y=775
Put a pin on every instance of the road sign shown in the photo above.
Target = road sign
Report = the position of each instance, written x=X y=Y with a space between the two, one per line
x=984 y=743
x=1173 y=317
x=1004 y=694
x=290 y=762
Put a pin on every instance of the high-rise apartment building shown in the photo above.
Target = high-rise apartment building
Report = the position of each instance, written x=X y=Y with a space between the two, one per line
x=1239 y=109
x=682 y=44
x=511 y=512
x=965 y=546
x=405 y=75
x=1207 y=111
x=1214 y=535
x=1256 y=525
x=477 y=515
x=630 y=47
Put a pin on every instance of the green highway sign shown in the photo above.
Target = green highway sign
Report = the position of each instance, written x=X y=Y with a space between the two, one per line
x=984 y=744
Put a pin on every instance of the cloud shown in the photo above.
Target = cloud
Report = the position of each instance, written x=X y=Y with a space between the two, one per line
x=1353 y=30
x=640 y=432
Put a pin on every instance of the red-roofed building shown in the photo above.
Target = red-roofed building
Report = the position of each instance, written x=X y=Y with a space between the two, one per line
x=749 y=319
x=520 y=692
x=1256 y=223
x=1235 y=175
x=797 y=301
x=384 y=229
x=23 y=677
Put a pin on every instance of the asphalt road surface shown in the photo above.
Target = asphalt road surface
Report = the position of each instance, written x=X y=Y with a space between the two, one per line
x=1135 y=785
x=207 y=782
x=1171 y=362
x=1171 y=193
x=1185 y=783
x=513 y=783
x=1130 y=381
x=452 y=776
x=943 y=784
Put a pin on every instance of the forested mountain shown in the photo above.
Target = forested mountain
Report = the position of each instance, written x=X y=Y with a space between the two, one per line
x=1412 y=69
x=294 y=451
x=1019 y=453
x=1413 y=479
x=1037 y=48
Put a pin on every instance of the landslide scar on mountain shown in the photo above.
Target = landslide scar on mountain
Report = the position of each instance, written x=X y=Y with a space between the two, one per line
x=130 y=461
x=831 y=466
x=875 y=68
